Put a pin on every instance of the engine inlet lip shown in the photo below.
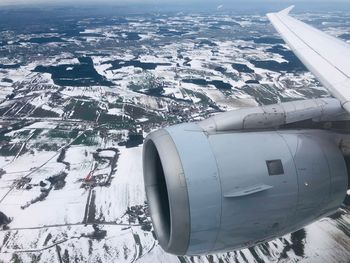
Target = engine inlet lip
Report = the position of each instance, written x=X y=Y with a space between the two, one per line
x=170 y=214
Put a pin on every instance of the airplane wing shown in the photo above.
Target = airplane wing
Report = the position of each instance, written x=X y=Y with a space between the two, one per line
x=327 y=57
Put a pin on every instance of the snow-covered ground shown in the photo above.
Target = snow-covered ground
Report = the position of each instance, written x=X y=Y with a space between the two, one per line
x=70 y=167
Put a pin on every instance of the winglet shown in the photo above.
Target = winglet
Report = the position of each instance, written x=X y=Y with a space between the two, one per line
x=287 y=10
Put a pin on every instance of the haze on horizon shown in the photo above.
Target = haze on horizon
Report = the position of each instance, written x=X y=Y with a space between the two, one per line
x=159 y=2
x=142 y=6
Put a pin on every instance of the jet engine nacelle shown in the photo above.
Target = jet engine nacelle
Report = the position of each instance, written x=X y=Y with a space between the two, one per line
x=221 y=191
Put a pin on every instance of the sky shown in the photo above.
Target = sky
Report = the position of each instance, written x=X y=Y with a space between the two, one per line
x=200 y=5
x=157 y=2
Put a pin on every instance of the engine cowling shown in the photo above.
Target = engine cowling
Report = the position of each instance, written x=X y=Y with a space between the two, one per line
x=228 y=190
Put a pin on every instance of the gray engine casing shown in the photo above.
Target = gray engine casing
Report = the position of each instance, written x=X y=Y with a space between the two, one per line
x=214 y=192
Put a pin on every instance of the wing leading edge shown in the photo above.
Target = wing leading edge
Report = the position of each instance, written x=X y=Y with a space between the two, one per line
x=327 y=57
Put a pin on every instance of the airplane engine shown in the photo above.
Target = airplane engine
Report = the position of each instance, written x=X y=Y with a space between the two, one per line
x=221 y=191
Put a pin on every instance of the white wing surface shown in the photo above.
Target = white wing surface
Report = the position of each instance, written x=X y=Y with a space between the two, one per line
x=327 y=57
